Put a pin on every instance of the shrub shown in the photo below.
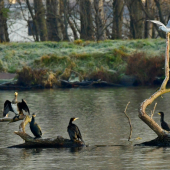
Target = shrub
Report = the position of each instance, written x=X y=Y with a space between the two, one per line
x=27 y=76
x=145 y=68
x=78 y=41
x=104 y=75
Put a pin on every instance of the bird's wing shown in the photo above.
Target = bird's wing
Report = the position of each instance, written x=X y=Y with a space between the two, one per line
x=166 y=126
x=72 y=133
x=39 y=129
x=78 y=132
x=168 y=25
x=7 y=107
x=157 y=22
x=23 y=105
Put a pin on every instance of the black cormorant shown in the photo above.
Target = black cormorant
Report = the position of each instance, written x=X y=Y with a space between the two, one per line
x=15 y=106
x=35 y=128
x=164 y=125
x=74 y=131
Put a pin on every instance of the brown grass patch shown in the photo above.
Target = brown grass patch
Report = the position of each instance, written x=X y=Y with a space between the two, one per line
x=145 y=68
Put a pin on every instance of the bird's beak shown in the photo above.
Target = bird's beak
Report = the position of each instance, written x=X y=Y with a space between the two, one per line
x=76 y=118
x=159 y=114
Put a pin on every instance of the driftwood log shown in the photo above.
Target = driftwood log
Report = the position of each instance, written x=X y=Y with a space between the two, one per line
x=31 y=142
x=57 y=142
x=163 y=138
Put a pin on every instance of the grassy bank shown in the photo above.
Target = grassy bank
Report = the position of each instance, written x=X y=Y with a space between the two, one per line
x=45 y=62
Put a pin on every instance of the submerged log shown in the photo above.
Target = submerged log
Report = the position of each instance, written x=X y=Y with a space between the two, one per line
x=98 y=83
x=31 y=142
x=57 y=142
x=162 y=142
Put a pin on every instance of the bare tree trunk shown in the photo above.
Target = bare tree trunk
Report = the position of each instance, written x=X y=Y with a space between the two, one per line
x=34 y=20
x=66 y=7
x=40 y=18
x=136 y=15
x=4 y=37
x=142 y=113
x=99 y=20
x=73 y=29
x=86 y=20
x=147 y=24
x=53 y=20
x=117 y=19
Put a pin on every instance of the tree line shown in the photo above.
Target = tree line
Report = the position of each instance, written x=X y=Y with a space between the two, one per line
x=89 y=19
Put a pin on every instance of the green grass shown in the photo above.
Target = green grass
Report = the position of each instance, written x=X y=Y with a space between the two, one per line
x=85 y=57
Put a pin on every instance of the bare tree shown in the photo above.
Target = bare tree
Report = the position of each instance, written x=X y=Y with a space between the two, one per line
x=136 y=18
x=163 y=136
x=40 y=18
x=99 y=20
x=53 y=20
x=118 y=7
x=86 y=20
x=4 y=37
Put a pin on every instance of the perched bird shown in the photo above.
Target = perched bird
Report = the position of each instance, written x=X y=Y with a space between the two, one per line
x=35 y=128
x=15 y=106
x=74 y=131
x=162 y=26
x=164 y=125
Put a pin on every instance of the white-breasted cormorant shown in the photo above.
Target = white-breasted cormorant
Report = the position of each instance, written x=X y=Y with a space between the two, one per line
x=74 y=131
x=15 y=106
x=35 y=128
x=164 y=125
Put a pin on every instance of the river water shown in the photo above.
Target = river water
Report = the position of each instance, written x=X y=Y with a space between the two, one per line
x=103 y=125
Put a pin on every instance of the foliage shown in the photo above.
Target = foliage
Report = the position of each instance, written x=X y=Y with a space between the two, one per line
x=145 y=68
x=104 y=75
x=105 y=60
x=78 y=41
x=5 y=12
x=28 y=76
x=1 y=66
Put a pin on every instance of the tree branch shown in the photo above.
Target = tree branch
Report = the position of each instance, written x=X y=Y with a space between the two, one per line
x=128 y=121
x=142 y=114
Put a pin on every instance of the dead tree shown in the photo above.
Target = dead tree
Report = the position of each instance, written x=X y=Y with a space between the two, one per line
x=163 y=138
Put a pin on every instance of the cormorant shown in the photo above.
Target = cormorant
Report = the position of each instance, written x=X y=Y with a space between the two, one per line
x=15 y=106
x=74 y=131
x=164 y=125
x=35 y=128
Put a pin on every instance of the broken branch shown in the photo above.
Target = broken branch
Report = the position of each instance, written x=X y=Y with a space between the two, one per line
x=152 y=112
x=128 y=121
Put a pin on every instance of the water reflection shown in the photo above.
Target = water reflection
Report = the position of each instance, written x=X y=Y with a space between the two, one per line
x=102 y=123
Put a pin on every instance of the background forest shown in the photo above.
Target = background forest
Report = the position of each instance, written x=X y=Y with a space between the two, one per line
x=51 y=20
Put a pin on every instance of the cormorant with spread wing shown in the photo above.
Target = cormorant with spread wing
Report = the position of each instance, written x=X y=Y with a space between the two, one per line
x=15 y=106
x=35 y=128
x=164 y=125
x=74 y=131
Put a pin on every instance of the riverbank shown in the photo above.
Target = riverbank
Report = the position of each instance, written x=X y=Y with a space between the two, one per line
x=45 y=64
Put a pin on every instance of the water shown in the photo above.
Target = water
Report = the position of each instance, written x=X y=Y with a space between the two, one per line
x=102 y=123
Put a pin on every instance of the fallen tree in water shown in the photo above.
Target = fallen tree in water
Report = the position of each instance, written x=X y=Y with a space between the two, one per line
x=31 y=142
x=57 y=142
x=163 y=138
